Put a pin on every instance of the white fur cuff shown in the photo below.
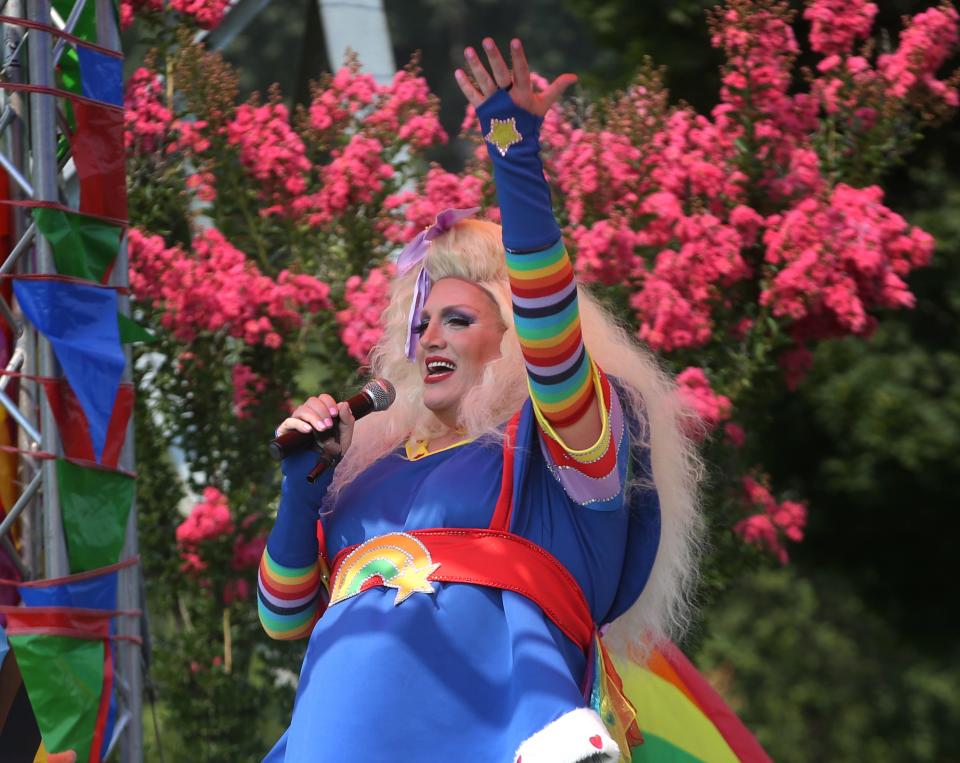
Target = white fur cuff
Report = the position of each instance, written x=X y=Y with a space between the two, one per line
x=571 y=738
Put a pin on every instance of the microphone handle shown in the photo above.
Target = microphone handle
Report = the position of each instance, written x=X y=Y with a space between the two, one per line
x=294 y=441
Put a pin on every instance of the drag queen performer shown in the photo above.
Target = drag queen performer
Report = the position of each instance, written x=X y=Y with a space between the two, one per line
x=529 y=487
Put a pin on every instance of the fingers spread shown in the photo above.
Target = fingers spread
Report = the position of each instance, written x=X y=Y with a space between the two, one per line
x=501 y=72
x=480 y=74
x=473 y=96
x=521 y=69
x=557 y=88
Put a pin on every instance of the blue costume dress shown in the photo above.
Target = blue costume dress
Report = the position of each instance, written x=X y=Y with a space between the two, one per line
x=464 y=672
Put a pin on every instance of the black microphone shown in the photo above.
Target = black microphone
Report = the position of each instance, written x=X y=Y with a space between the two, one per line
x=376 y=395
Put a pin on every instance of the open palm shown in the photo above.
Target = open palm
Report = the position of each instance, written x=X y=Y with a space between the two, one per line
x=500 y=77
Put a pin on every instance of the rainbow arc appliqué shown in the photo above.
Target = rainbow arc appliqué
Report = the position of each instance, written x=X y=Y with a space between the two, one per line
x=394 y=560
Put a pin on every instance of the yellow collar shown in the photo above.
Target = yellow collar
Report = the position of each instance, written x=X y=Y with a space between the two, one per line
x=417 y=449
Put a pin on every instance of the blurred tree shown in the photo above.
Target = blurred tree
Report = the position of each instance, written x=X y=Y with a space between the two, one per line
x=875 y=431
x=819 y=677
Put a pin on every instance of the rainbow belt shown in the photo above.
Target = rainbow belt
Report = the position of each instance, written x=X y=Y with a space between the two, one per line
x=415 y=562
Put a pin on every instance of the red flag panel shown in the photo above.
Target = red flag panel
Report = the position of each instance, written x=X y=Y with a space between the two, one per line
x=72 y=422
x=98 y=152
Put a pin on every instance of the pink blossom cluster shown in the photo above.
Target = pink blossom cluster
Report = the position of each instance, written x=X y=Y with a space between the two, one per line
x=129 y=8
x=676 y=299
x=440 y=190
x=836 y=258
x=408 y=111
x=836 y=25
x=247 y=386
x=208 y=520
x=271 y=151
x=605 y=251
x=203 y=185
x=207 y=13
x=247 y=552
x=355 y=175
x=694 y=157
x=360 y=326
x=760 y=49
x=216 y=288
x=349 y=91
x=146 y=120
x=926 y=43
x=710 y=408
x=775 y=524
x=191 y=136
x=756 y=113
x=849 y=86
x=595 y=171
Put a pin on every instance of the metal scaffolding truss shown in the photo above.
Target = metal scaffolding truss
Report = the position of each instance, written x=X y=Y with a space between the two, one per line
x=31 y=124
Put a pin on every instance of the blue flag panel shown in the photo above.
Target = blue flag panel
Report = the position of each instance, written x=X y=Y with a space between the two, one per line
x=101 y=77
x=80 y=322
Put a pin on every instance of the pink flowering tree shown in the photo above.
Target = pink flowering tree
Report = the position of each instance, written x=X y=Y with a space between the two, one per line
x=733 y=242
x=258 y=259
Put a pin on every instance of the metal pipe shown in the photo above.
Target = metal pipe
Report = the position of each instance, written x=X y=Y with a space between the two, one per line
x=16 y=360
x=128 y=588
x=25 y=497
x=67 y=27
x=8 y=115
x=22 y=568
x=14 y=410
x=14 y=173
x=43 y=148
x=11 y=319
x=118 y=729
x=20 y=248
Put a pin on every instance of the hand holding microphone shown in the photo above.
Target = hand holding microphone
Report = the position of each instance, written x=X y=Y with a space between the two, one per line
x=322 y=421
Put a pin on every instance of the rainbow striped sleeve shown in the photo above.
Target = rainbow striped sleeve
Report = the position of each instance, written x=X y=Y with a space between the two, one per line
x=563 y=382
x=289 y=599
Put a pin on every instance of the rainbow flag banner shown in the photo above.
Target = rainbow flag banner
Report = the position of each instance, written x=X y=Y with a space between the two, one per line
x=681 y=717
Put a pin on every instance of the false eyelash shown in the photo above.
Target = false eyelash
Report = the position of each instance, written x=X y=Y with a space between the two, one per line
x=457 y=320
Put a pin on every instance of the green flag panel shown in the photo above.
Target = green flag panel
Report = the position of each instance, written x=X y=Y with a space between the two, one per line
x=132 y=332
x=64 y=680
x=95 y=505
x=83 y=246
x=86 y=26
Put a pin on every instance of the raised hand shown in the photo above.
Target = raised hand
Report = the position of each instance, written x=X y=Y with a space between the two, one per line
x=517 y=82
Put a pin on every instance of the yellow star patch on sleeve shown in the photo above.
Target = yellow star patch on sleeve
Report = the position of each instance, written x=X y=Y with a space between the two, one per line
x=411 y=579
x=503 y=134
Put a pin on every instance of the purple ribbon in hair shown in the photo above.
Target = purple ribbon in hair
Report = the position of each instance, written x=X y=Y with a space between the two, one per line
x=414 y=253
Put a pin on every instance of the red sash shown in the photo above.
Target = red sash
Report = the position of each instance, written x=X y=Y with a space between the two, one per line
x=496 y=559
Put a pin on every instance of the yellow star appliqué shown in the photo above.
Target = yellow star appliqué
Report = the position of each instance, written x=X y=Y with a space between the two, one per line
x=503 y=134
x=411 y=579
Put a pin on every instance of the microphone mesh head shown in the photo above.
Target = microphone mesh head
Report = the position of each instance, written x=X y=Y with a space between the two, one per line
x=381 y=393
